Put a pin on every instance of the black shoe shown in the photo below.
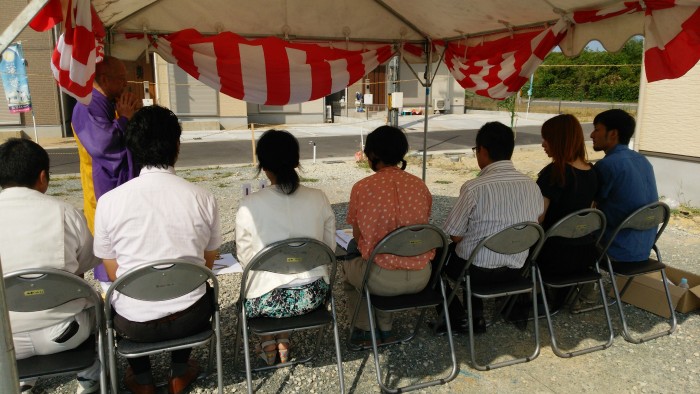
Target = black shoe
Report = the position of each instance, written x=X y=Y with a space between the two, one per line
x=459 y=326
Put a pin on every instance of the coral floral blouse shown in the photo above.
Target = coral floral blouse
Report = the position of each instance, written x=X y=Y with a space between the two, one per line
x=389 y=199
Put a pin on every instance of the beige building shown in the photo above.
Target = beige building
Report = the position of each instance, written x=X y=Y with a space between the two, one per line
x=667 y=133
x=46 y=101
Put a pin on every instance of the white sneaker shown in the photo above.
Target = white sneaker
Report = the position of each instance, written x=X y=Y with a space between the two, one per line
x=86 y=386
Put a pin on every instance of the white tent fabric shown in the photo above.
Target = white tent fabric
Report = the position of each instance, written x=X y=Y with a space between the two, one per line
x=361 y=20
x=517 y=35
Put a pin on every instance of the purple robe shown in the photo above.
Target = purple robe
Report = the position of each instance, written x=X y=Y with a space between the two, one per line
x=102 y=135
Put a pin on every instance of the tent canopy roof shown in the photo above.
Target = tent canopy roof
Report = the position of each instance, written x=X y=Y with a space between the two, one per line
x=364 y=20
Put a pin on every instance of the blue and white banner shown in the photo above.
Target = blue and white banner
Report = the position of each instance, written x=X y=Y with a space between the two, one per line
x=14 y=79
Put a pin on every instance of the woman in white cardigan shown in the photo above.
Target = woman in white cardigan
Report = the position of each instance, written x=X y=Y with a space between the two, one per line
x=284 y=210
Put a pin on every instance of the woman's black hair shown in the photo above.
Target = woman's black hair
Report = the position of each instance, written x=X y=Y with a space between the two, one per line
x=278 y=152
x=387 y=144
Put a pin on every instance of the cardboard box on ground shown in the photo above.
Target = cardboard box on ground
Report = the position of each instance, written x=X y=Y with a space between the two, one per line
x=647 y=292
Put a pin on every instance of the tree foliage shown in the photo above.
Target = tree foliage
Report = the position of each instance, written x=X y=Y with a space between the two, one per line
x=591 y=76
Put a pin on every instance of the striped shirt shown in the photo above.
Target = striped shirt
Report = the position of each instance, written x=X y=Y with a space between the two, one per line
x=499 y=197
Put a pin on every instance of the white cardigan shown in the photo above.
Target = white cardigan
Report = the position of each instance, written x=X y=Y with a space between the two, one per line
x=268 y=216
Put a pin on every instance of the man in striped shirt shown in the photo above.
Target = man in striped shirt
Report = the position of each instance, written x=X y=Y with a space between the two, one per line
x=498 y=197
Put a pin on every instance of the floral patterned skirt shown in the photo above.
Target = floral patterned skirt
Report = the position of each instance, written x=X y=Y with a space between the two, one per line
x=287 y=302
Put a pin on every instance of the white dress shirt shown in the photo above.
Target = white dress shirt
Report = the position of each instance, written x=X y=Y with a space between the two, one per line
x=499 y=197
x=269 y=216
x=155 y=216
x=39 y=231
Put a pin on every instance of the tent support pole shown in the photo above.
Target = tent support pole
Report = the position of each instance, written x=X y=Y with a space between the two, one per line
x=20 y=22
x=428 y=83
x=413 y=71
x=8 y=366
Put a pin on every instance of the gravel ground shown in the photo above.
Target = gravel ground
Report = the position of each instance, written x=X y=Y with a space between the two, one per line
x=668 y=364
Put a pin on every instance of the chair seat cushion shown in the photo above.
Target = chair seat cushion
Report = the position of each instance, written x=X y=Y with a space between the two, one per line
x=316 y=318
x=570 y=279
x=635 y=268
x=425 y=298
x=127 y=347
x=497 y=289
x=65 y=362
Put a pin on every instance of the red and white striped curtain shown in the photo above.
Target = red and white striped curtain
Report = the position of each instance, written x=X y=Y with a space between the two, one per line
x=499 y=66
x=78 y=49
x=268 y=70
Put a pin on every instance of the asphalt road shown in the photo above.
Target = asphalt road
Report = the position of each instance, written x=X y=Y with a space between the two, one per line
x=200 y=154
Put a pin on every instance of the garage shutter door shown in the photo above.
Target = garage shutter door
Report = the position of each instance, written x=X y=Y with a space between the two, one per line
x=189 y=96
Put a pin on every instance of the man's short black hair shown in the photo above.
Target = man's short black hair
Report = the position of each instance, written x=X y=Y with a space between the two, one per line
x=153 y=137
x=617 y=119
x=387 y=144
x=21 y=163
x=498 y=139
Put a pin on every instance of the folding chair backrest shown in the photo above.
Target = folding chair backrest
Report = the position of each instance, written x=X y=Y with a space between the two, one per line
x=411 y=240
x=514 y=239
x=32 y=290
x=647 y=217
x=578 y=224
x=162 y=280
x=290 y=256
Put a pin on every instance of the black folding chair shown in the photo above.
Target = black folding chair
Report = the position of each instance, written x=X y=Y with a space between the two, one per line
x=406 y=241
x=577 y=225
x=511 y=240
x=38 y=289
x=289 y=256
x=164 y=280
x=651 y=216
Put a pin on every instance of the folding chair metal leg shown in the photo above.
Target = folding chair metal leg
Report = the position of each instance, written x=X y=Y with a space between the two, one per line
x=375 y=350
x=625 y=330
x=552 y=336
x=101 y=355
x=491 y=366
x=112 y=360
x=338 y=352
x=217 y=346
x=246 y=350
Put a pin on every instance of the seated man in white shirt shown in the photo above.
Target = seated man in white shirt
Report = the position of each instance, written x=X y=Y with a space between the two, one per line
x=39 y=231
x=155 y=216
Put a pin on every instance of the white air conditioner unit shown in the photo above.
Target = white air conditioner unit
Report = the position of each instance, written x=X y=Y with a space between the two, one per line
x=438 y=104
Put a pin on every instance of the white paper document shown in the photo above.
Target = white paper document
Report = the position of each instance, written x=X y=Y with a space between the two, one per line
x=342 y=237
x=227 y=264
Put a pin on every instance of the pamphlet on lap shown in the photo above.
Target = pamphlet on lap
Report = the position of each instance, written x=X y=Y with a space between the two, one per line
x=227 y=264
x=342 y=237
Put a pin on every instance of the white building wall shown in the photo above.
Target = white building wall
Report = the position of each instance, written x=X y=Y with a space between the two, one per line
x=307 y=112
x=668 y=133
x=444 y=87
